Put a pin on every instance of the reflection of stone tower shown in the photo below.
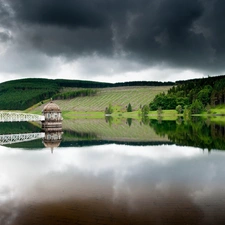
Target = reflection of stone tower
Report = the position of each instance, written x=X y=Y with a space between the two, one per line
x=53 y=117
x=52 y=125
x=52 y=139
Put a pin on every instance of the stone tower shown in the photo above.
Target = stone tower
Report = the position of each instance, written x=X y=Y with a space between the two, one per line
x=53 y=117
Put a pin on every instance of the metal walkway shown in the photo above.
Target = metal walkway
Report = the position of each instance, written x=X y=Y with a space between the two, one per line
x=18 y=117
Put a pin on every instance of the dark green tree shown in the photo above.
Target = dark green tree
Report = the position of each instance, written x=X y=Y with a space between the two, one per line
x=145 y=110
x=129 y=108
x=109 y=110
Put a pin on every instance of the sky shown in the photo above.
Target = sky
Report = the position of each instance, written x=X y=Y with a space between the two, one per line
x=112 y=40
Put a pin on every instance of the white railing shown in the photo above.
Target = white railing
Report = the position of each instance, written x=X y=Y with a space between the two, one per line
x=16 y=138
x=18 y=117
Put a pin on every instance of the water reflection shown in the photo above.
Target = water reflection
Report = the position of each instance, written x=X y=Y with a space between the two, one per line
x=52 y=139
x=145 y=182
x=129 y=121
x=197 y=132
x=51 y=135
x=112 y=184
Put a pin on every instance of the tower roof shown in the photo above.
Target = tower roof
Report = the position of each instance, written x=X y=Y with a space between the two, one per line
x=51 y=107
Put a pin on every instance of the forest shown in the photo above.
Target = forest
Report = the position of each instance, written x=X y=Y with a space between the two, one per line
x=196 y=95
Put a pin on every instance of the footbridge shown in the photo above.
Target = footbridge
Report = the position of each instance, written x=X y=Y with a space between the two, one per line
x=16 y=138
x=18 y=117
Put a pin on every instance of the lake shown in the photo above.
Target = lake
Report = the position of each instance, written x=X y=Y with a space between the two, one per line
x=127 y=172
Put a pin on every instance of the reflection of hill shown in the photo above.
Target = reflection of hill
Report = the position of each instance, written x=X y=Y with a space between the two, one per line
x=98 y=129
x=71 y=135
x=103 y=142
x=195 y=133
x=18 y=127
x=35 y=144
x=98 y=132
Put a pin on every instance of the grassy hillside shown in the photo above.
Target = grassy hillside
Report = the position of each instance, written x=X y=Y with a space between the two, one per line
x=119 y=96
x=22 y=94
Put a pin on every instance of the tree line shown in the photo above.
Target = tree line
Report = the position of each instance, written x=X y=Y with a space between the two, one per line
x=74 y=94
x=196 y=95
x=94 y=84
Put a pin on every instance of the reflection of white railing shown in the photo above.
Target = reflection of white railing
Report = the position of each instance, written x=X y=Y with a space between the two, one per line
x=17 y=117
x=16 y=138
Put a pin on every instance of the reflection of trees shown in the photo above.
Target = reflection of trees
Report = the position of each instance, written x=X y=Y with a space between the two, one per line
x=18 y=127
x=145 y=120
x=109 y=119
x=129 y=121
x=196 y=133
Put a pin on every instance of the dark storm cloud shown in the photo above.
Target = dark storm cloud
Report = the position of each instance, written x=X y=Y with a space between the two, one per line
x=188 y=34
x=72 y=26
x=69 y=13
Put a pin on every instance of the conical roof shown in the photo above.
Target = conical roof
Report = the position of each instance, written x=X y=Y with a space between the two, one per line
x=51 y=107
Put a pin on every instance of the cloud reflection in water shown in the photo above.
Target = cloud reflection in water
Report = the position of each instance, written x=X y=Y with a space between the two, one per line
x=134 y=176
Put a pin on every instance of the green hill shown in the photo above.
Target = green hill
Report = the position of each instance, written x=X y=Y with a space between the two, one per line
x=21 y=94
x=78 y=95
x=24 y=93
x=119 y=96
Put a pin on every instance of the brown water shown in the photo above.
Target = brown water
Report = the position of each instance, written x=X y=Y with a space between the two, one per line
x=112 y=184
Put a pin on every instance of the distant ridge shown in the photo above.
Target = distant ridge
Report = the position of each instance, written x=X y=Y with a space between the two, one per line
x=94 y=84
x=24 y=93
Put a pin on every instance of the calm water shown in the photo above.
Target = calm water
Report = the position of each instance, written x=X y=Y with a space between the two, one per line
x=88 y=180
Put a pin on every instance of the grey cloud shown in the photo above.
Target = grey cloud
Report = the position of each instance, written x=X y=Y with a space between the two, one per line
x=180 y=34
x=24 y=61
x=69 y=43
x=5 y=36
x=6 y=14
